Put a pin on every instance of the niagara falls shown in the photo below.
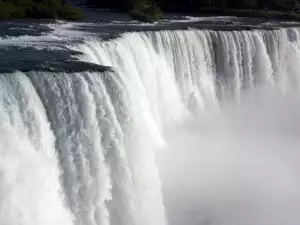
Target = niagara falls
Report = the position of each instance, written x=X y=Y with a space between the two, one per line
x=149 y=113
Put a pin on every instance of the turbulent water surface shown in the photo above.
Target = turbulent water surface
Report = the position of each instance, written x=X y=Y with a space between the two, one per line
x=192 y=122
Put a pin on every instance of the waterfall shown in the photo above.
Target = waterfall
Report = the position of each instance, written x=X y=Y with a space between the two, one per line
x=192 y=70
x=79 y=148
x=30 y=189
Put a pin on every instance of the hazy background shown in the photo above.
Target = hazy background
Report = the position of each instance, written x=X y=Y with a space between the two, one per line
x=236 y=166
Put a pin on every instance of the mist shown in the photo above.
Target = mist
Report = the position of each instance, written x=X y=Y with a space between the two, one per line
x=238 y=165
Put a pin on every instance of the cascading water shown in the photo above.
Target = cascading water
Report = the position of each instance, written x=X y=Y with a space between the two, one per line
x=80 y=148
x=173 y=76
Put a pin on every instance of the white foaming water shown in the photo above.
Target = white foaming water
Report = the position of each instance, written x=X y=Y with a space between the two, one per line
x=227 y=170
x=30 y=191
x=83 y=148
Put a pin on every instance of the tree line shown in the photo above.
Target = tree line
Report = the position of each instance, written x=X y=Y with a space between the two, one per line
x=146 y=10
x=151 y=10
x=233 y=4
x=168 y=5
x=53 y=9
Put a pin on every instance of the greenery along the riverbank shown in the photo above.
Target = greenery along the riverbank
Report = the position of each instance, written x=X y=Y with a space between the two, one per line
x=56 y=9
x=150 y=10
x=145 y=10
x=194 y=5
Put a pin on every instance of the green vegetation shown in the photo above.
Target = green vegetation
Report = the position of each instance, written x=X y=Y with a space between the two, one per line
x=149 y=10
x=52 y=9
x=268 y=9
x=146 y=11
x=233 y=4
